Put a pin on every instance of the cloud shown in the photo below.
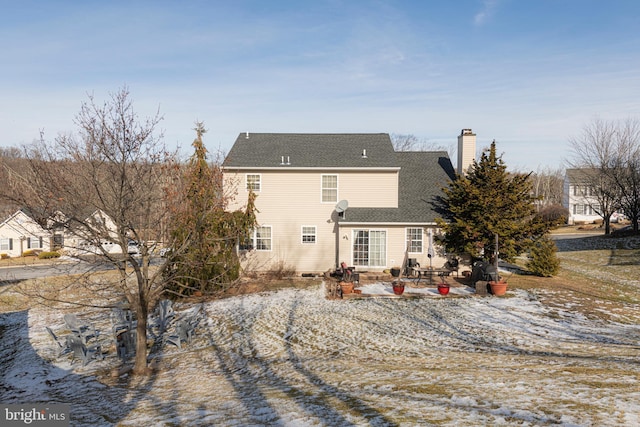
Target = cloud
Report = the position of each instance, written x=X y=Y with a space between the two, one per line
x=487 y=11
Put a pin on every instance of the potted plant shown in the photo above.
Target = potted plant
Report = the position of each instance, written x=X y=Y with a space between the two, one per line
x=498 y=287
x=398 y=287
x=443 y=288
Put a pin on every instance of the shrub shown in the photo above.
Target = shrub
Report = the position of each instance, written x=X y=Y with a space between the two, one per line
x=4 y=256
x=544 y=261
x=554 y=213
x=48 y=255
x=30 y=252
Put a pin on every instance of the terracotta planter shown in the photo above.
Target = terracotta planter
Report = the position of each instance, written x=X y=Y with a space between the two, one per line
x=398 y=288
x=443 y=289
x=498 y=288
x=347 y=287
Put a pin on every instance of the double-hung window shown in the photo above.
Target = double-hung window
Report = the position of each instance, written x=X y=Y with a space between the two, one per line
x=6 y=244
x=308 y=234
x=34 y=242
x=414 y=240
x=263 y=238
x=329 y=188
x=254 y=182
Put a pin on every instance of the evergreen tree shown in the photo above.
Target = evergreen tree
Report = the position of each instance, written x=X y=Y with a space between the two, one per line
x=543 y=261
x=208 y=234
x=487 y=202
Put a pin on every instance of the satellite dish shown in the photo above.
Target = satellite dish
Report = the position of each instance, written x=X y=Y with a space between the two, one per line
x=342 y=206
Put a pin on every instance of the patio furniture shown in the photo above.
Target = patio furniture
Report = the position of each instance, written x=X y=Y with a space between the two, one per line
x=430 y=272
x=83 y=352
x=62 y=348
x=125 y=342
x=84 y=330
x=165 y=314
x=184 y=333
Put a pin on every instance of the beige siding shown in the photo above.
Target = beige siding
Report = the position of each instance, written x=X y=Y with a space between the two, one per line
x=289 y=200
x=396 y=247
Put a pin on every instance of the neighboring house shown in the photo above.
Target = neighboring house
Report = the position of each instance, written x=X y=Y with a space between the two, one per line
x=20 y=233
x=328 y=198
x=579 y=196
x=75 y=239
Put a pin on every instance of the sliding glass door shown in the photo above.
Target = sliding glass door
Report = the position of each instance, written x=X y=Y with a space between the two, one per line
x=370 y=248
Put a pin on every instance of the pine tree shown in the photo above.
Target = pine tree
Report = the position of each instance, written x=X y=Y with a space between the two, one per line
x=208 y=234
x=489 y=201
x=543 y=261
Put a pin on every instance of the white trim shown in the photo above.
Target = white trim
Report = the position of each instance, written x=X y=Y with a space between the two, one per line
x=315 y=234
x=246 y=181
x=311 y=169
x=337 y=187
x=255 y=238
x=406 y=229
x=386 y=246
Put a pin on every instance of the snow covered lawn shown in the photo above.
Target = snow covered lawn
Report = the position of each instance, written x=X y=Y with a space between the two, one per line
x=294 y=358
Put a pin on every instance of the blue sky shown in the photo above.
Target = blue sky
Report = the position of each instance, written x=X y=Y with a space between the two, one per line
x=527 y=73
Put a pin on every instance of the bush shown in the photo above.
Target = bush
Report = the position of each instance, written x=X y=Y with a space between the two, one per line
x=4 y=256
x=544 y=261
x=48 y=255
x=30 y=252
x=556 y=214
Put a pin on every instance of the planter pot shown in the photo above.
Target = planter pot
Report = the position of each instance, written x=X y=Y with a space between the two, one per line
x=395 y=272
x=347 y=287
x=398 y=288
x=498 y=288
x=443 y=289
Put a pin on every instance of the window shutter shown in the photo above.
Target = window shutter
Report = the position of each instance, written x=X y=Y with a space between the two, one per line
x=10 y=244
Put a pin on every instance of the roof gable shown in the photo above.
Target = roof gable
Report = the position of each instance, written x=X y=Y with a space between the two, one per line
x=270 y=150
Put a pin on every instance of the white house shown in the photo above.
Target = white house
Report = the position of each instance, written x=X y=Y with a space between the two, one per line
x=20 y=233
x=579 y=196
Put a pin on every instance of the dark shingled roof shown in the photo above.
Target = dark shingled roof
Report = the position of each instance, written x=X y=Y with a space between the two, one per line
x=422 y=174
x=311 y=150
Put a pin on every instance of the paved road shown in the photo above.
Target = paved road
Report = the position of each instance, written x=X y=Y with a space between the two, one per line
x=24 y=272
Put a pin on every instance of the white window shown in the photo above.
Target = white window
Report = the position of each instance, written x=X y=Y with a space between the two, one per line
x=369 y=248
x=263 y=238
x=329 y=188
x=253 y=182
x=6 y=244
x=34 y=242
x=414 y=240
x=308 y=234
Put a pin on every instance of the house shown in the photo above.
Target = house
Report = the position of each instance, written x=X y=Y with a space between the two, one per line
x=579 y=196
x=82 y=238
x=20 y=233
x=323 y=199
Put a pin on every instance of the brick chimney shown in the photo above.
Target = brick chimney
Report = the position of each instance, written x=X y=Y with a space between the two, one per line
x=466 y=150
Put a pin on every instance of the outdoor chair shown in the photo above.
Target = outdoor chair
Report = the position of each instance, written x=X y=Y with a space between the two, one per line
x=62 y=348
x=121 y=321
x=83 y=330
x=452 y=264
x=184 y=333
x=125 y=343
x=82 y=352
x=165 y=314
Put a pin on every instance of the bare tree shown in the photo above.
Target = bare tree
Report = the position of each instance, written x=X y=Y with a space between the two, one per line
x=105 y=186
x=594 y=159
x=547 y=187
x=625 y=169
x=410 y=142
